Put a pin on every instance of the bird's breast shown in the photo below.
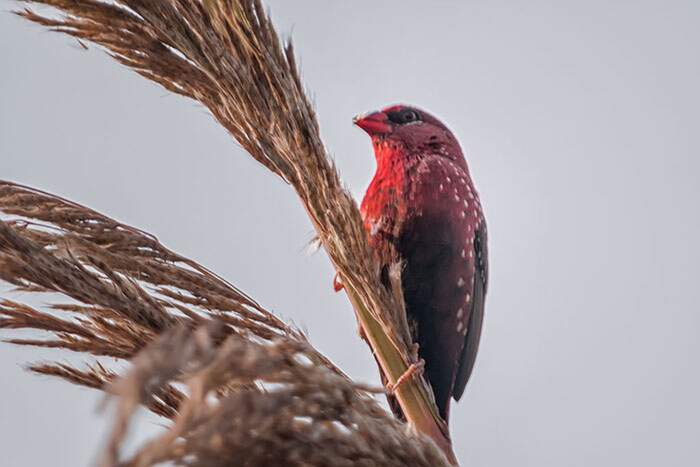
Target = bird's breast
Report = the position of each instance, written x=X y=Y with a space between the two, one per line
x=386 y=200
x=424 y=185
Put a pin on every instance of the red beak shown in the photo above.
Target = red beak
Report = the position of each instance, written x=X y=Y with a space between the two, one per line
x=374 y=123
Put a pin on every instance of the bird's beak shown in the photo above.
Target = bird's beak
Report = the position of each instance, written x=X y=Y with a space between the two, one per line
x=374 y=123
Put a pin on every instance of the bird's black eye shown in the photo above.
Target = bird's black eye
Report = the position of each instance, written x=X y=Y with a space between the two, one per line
x=410 y=116
x=404 y=116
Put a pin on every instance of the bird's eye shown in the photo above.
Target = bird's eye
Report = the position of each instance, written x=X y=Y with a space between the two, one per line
x=400 y=117
x=409 y=116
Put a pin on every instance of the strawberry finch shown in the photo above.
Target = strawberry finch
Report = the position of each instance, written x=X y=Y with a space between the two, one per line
x=423 y=202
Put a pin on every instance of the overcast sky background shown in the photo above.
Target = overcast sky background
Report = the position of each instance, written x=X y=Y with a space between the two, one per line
x=580 y=122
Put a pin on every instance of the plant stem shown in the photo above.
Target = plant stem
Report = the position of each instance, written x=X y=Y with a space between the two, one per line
x=417 y=406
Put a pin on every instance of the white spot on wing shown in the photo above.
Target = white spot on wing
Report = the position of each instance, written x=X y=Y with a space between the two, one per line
x=423 y=169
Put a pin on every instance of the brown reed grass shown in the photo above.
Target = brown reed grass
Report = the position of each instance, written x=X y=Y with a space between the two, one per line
x=240 y=386
x=227 y=55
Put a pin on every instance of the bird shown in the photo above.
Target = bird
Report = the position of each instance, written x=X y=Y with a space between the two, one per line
x=423 y=203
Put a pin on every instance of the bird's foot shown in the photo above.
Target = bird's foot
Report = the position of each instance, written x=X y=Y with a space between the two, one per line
x=337 y=283
x=414 y=369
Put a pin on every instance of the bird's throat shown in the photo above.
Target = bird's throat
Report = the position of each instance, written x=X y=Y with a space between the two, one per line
x=392 y=164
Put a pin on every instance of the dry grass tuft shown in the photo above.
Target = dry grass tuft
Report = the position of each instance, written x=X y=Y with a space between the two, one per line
x=304 y=414
x=227 y=55
x=237 y=382
x=125 y=287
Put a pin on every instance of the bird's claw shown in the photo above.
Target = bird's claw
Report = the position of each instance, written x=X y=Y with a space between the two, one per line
x=414 y=369
x=337 y=283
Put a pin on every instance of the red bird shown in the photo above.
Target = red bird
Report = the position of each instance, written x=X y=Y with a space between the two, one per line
x=423 y=201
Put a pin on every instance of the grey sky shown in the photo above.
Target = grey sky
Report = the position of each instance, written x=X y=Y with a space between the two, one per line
x=580 y=122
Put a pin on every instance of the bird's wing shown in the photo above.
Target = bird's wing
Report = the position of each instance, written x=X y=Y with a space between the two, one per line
x=476 y=317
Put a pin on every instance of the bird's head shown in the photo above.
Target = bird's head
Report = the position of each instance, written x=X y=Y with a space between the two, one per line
x=409 y=127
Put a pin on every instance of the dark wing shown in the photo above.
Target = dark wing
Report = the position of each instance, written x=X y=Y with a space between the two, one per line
x=476 y=317
x=426 y=244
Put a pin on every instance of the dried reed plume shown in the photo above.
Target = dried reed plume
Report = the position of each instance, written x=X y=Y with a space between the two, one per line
x=276 y=400
x=226 y=55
